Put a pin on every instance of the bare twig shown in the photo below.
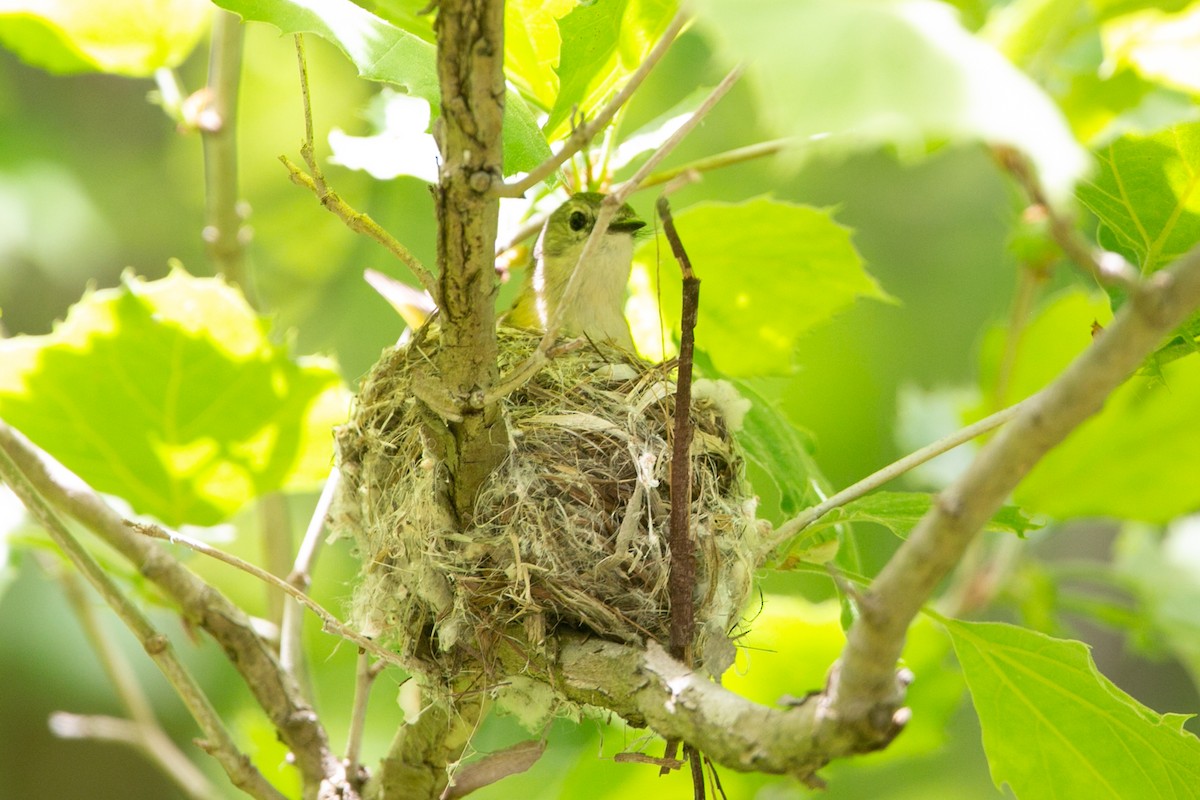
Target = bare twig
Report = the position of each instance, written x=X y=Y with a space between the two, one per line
x=889 y=473
x=220 y=743
x=1105 y=266
x=223 y=233
x=584 y=133
x=682 y=573
x=329 y=622
x=142 y=729
x=291 y=627
x=863 y=690
x=299 y=728
x=364 y=677
x=354 y=220
x=151 y=741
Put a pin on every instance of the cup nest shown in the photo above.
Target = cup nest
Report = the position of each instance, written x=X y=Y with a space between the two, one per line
x=569 y=531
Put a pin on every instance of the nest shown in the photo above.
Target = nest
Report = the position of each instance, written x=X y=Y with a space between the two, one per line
x=571 y=528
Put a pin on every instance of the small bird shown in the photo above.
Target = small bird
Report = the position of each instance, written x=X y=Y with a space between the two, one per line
x=597 y=309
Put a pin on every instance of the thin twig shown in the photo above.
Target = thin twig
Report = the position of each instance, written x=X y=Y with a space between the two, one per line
x=219 y=742
x=364 y=677
x=291 y=627
x=298 y=727
x=627 y=188
x=728 y=158
x=354 y=220
x=892 y=471
x=329 y=622
x=223 y=233
x=584 y=133
x=1105 y=266
x=682 y=574
x=150 y=741
x=143 y=727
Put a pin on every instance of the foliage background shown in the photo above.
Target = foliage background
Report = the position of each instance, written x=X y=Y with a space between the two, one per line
x=93 y=179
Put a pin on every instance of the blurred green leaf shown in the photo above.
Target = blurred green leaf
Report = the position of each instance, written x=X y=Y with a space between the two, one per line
x=1147 y=195
x=1057 y=334
x=905 y=74
x=602 y=44
x=769 y=272
x=1163 y=573
x=1159 y=45
x=170 y=394
x=900 y=512
x=1054 y=727
x=383 y=52
x=125 y=37
x=1136 y=459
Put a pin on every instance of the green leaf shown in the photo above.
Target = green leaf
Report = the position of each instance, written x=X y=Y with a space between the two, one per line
x=383 y=52
x=1054 y=727
x=1136 y=459
x=171 y=395
x=125 y=37
x=775 y=444
x=531 y=46
x=1058 y=333
x=769 y=271
x=861 y=73
x=900 y=512
x=1147 y=195
x=1159 y=45
x=603 y=43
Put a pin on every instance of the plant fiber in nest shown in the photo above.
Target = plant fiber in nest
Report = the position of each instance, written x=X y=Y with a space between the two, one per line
x=570 y=529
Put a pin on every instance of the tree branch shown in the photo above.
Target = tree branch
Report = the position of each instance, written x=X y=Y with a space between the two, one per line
x=297 y=724
x=863 y=691
x=223 y=232
x=470 y=64
x=219 y=742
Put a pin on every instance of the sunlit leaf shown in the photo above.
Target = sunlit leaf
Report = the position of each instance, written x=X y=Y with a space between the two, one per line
x=531 y=46
x=383 y=52
x=1147 y=195
x=864 y=73
x=126 y=37
x=171 y=395
x=900 y=512
x=1160 y=45
x=769 y=271
x=1054 y=727
x=602 y=44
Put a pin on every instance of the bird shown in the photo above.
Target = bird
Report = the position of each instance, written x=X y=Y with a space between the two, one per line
x=597 y=308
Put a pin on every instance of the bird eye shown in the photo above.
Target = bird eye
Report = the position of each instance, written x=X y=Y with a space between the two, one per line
x=578 y=220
